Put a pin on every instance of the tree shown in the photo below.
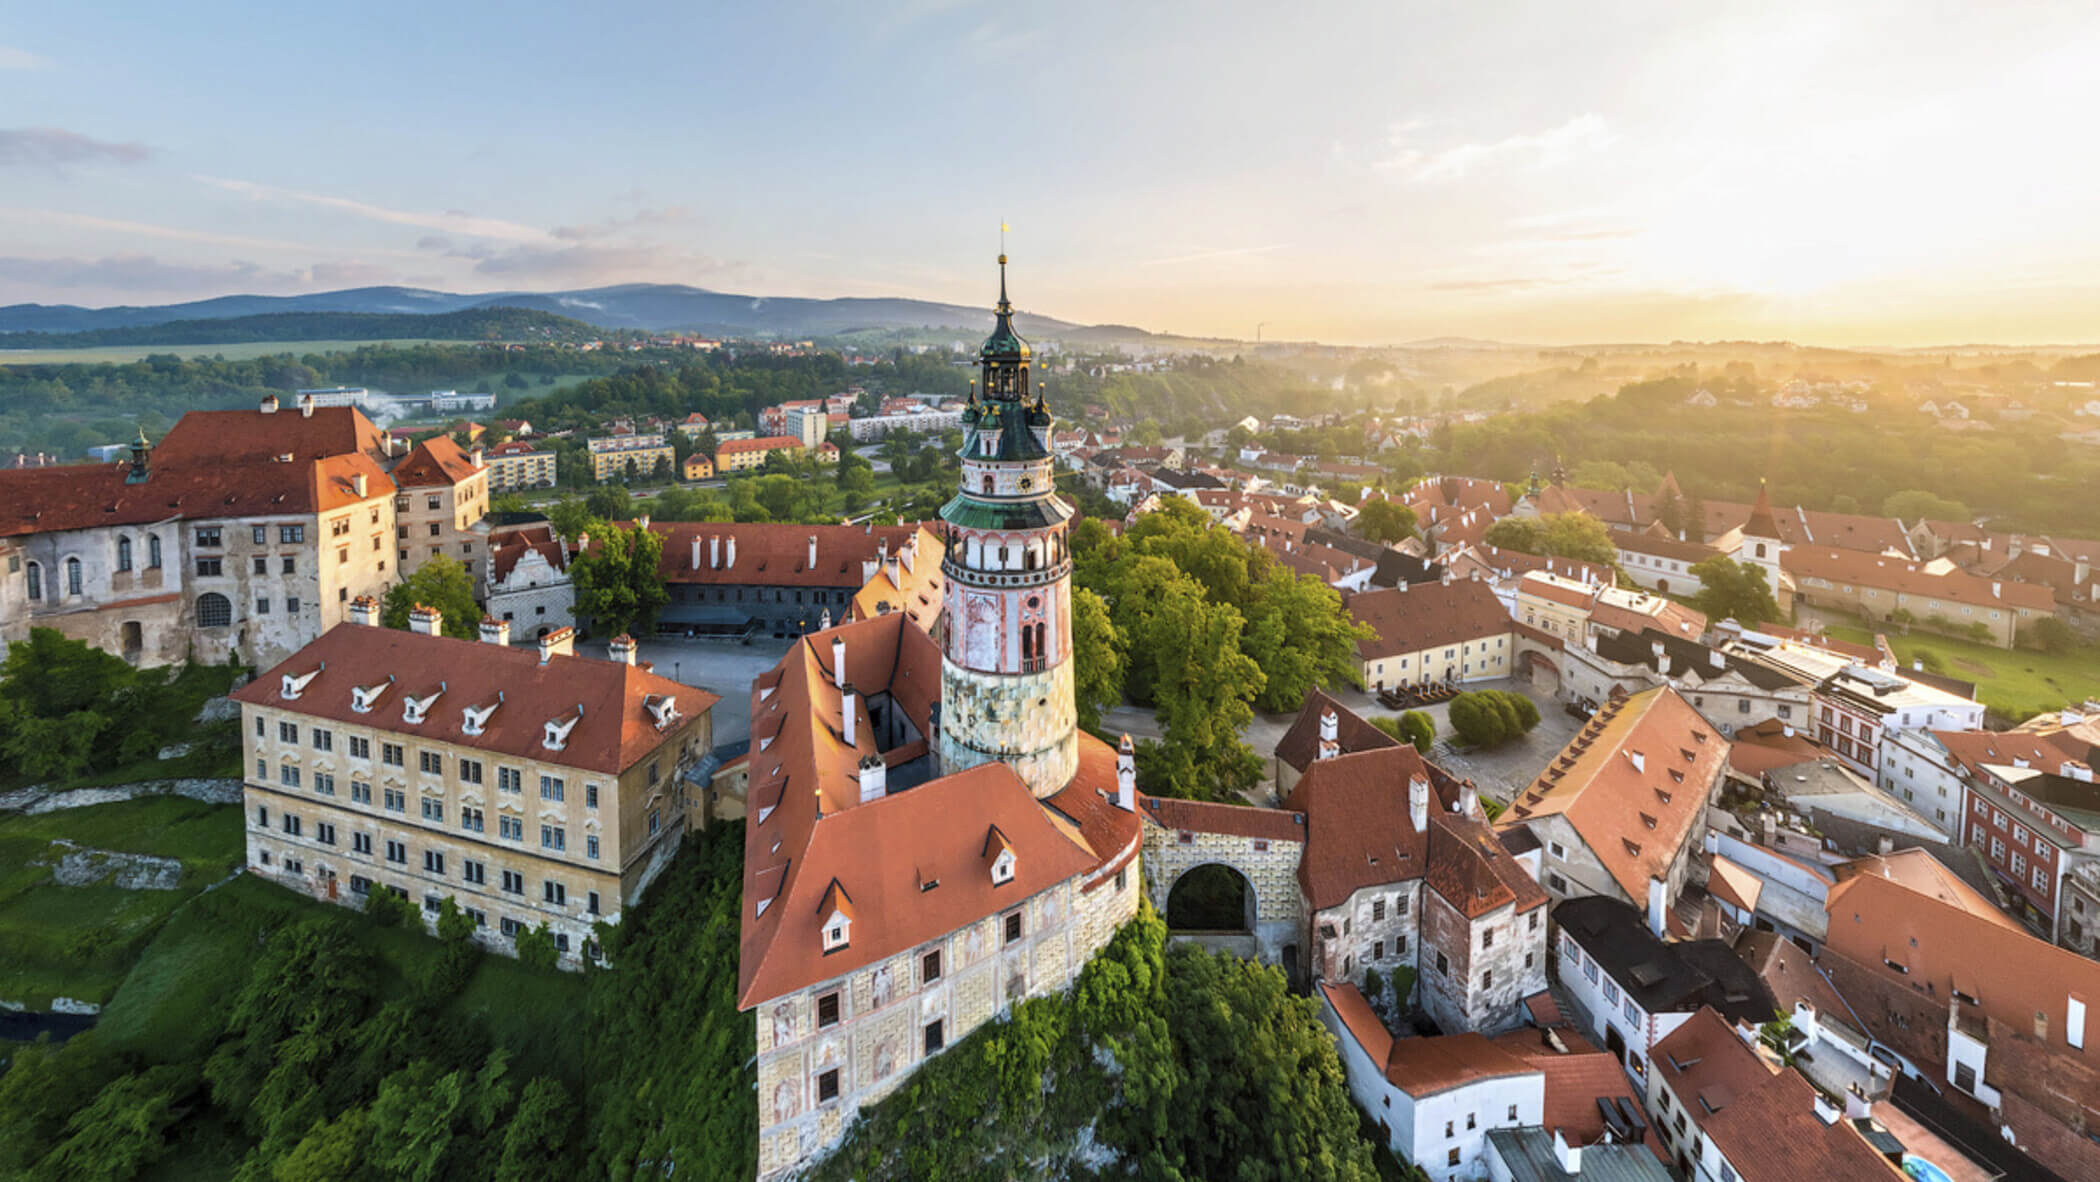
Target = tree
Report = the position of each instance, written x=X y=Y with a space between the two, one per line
x=1483 y=718
x=59 y=699
x=442 y=583
x=1202 y=684
x=1914 y=504
x=1097 y=659
x=1734 y=590
x=1565 y=535
x=619 y=587
x=570 y=517
x=536 y=948
x=1300 y=637
x=2052 y=635
x=1386 y=521
x=608 y=504
x=1413 y=727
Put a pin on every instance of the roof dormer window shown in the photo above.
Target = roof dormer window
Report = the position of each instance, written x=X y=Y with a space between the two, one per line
x=1000 y=853
x=364 y=697
x=414 y=709
x=476 y=718
x=556 y=736
x=836 y=911
x=296 y=683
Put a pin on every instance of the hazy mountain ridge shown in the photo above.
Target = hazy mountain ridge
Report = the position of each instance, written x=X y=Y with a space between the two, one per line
x=645 y=306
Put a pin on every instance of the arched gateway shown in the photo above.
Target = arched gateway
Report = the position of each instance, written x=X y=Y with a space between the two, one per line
x=1187 y=842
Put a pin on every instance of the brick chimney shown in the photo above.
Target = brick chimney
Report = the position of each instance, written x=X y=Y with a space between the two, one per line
x=426 y=620
x=494 y=631
x=621 y=649
x=559 y=642
x=364 y=610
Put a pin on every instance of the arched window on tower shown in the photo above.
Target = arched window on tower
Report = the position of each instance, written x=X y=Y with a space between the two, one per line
x=153 y=551
x=36 y=581
x=123 y=553
x=1034 y=557
x=987 y=484
x=72 y=576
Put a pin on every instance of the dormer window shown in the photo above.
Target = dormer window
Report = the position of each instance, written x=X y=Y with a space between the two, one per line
x=476 y=718
x=557 y=731
x=836 y=912
x=364 y=697
x=414 y=709
x=296 y=683
x=1000 y=853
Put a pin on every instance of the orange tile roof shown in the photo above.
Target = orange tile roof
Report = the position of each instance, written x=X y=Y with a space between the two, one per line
x=1732 y=884
x=808 y=825
x=1408 y=620
x=1946 y=947
x=1634 y=817
x=615 y=732
x=435 y=462
x=1426 y=1066
x=1856 y=568
x=85 y=496
x=508 y=546
x=1917 y=870
x=1763 y=1121
x=762 y=443
x=916 y=592
x=1574 y=1081
x=1361 y=1021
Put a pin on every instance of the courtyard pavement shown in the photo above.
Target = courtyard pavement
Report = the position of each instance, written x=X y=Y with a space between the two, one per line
x=1499 y=772
x=720 y=666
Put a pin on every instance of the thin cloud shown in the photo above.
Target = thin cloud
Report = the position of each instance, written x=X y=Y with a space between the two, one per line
x=1581 y=135
x=54 y=146
x=21 y=59
x=606 y=227
x=138 y=272
x=1206 y=255
x=82 y=221
x=589 y=263
x=450 y=221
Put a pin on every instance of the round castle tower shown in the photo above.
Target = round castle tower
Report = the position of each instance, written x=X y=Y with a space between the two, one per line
x=1006 y=623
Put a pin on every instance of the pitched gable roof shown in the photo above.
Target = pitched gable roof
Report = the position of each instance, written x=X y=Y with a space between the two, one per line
x=1300 y=745
x=1633 y=783
x=435 y=462
x=1432 y=614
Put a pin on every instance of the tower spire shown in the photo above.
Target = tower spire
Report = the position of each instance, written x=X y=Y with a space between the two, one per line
x=1005 y=308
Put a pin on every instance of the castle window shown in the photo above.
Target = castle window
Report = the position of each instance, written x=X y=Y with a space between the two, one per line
x=72 y=576
x=123 y=553
x=828 y=1086
x=828 y=1010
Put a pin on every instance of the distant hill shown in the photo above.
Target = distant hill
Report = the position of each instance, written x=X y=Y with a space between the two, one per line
x=651 y=307
x=472 y=324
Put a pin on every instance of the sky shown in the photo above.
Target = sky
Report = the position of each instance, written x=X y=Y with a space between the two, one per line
x=1370 y=173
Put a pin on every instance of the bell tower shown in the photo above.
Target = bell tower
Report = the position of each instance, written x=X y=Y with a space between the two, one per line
x=1006 y=619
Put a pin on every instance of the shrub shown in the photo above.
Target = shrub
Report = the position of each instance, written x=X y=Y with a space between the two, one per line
x=536 y=948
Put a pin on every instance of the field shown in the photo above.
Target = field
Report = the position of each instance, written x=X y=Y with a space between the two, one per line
x=2016 y=684
x=80 y=941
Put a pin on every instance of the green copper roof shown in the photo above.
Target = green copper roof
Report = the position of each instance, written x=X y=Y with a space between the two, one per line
x=1004 y=341
x=971 y=513
x=1014 y=421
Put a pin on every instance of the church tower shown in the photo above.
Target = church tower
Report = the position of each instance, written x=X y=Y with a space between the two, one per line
x=1006 y=623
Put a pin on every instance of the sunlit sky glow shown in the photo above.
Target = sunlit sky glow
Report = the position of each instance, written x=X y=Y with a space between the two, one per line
x=1366 y=173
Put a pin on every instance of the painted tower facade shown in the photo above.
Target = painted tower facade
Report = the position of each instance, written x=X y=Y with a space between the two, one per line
x=1006 y=643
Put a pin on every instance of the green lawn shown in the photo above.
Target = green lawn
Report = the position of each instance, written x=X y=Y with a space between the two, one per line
x=2016 y=684
x=79 y=942
x=168 y=1007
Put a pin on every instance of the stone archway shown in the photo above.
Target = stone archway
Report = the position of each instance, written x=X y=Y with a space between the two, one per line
x=1543 y=673
x=1211 y=897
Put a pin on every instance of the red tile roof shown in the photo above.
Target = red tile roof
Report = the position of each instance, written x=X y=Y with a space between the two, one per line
x=1358 y=831
x=777 y=554
x=1426 y=1066
x=508 y=546
x=220 y=437
x=1574 y=1081
x=435 y=462
x=1410 y=619
x=762 y=443
x=1301 y=743
x=85 y=496
x=1359 y=1019
x=1468 y=867
x=1236 y=820
x=616 y=729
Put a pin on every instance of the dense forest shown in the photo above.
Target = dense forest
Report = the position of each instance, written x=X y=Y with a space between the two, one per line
x=2018 y=475
x=471 y=324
